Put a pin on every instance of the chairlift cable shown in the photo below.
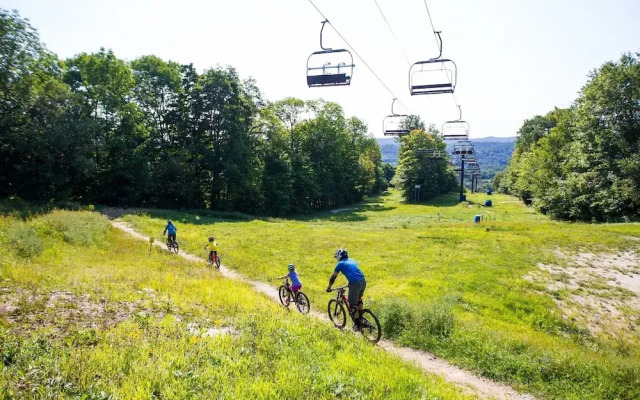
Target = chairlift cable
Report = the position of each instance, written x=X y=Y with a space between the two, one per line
x=392 y=32
x=358 y=55
x=433 y=29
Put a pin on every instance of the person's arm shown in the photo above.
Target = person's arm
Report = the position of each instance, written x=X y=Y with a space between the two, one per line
x=165 y=231
x=282 y=277
x=332 y=280
x=206 y=245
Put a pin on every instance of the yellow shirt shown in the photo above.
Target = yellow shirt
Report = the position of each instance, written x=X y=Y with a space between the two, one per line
x=213 y=246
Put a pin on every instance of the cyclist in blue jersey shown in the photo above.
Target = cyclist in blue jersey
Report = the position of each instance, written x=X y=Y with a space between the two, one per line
x=171 y=229
x=357 y=283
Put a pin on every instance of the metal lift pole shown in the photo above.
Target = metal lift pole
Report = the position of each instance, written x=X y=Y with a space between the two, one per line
x=462 y=181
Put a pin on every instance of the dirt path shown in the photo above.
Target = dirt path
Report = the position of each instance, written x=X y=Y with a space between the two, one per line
x=428 y=362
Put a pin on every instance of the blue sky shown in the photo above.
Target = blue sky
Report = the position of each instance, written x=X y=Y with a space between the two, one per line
x=515 y=58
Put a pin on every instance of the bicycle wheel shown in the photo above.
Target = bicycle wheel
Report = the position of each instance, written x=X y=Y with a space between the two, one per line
x=210 y=260
x=283 y=294
x=176 y=247
x=218 y=262
x=302 y=303
x=337 y=314
x=370 y=326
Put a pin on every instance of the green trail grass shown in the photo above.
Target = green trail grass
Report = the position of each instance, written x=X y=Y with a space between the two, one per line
x=444 y=284
x=132 y=329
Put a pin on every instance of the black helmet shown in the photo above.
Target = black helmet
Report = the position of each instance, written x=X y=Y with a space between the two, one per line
x=341 y=254
x=211 y=239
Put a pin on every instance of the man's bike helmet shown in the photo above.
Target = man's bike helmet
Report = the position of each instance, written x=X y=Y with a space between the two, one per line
x=211 y=239
x=341 y=254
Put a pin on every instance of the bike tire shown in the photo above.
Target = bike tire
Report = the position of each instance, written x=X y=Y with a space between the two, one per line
x=337 y=314
x=302 y=303
x=283 y=293
x=176 y=248
x=217 y=262
x=370 y=326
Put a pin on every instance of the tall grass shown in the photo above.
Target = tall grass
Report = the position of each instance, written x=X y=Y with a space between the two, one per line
x=138 y=332
x=444 y=284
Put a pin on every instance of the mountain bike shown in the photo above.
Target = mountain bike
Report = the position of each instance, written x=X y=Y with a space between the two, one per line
x=214 y=259
x=369 y=327
x=287 y=295
x=172 y=245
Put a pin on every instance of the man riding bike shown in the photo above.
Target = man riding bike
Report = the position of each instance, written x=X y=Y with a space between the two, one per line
x=171 y=228
x=357 y=283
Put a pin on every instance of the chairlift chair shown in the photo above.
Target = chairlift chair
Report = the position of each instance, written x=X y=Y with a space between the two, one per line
x=329 y=67
x=457 y=129
x=431 y=153
x=393 y=124
x=463 y=148
x=434 y=76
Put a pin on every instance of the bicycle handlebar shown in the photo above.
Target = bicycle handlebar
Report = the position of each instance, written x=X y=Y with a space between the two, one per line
x=339 y=288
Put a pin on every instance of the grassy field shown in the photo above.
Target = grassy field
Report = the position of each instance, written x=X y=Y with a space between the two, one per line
x=88 y=312
x=468 y=292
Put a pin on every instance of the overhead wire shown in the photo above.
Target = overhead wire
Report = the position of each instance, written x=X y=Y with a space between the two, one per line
x=392 y=32
x=359 y=56
x=438 y=44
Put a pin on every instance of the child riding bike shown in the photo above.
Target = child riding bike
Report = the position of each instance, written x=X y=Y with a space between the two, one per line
x=296 y=285
x=213 y=251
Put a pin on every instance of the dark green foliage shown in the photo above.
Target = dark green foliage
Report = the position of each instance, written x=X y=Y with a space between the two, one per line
x=434 y=175
x=583 y=163
x=97 y=129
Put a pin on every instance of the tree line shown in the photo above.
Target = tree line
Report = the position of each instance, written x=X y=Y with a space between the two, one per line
x=583 y=163
x=97 y=129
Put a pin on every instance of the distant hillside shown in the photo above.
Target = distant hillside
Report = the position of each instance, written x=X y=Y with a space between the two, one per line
x=493 y=153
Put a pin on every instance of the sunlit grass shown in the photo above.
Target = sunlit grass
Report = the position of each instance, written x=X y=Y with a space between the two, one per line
x=157 y=349
x=506 y=327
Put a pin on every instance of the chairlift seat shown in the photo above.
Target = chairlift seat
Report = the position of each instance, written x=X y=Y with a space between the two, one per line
x=396 y=132
x=328 y=80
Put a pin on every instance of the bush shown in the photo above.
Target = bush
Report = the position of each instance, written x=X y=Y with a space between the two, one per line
x=24 y=240
x=417 y=323
x=79 y=227
x=436 y=320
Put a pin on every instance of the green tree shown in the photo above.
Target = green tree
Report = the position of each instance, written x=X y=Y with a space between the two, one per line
x=434 y=175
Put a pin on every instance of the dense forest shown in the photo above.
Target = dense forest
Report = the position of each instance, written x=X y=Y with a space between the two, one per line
x=583 y=163
x=96 y=129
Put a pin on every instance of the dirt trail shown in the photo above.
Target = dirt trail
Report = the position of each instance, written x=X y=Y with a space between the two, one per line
x=469 y=382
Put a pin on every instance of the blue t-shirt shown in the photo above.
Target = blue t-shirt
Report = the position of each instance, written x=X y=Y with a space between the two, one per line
x=350 y=270
x=171 y=228
x=295 y=281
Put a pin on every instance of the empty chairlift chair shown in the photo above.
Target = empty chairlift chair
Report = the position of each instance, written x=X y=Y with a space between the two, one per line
x=435 y=76
x=456 y=130
x=329 y=67
x=394 y=124
x=463 y=148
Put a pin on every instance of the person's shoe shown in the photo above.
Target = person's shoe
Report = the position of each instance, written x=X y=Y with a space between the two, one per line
x=286 y=302
x=356 y=327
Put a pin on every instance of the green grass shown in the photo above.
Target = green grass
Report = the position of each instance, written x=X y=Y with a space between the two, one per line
x=95 y=314
x=456 y=288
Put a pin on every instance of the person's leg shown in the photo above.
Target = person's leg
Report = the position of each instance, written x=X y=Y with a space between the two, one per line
x=353 y=297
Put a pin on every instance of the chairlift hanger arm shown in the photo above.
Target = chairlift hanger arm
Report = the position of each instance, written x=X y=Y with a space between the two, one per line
x=321 y=30
x=439 y=41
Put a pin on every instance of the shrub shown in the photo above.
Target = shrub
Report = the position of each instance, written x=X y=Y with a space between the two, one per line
x=75 y=227
x=24 y=240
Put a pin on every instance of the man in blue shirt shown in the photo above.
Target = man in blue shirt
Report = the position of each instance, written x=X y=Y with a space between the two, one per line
x=357 y=284
x=171 y=228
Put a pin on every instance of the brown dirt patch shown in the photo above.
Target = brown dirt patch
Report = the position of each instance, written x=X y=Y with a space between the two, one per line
x=600 y=291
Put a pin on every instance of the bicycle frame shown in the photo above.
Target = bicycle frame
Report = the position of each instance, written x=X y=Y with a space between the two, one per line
x=289 y=291
x=341 y=298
